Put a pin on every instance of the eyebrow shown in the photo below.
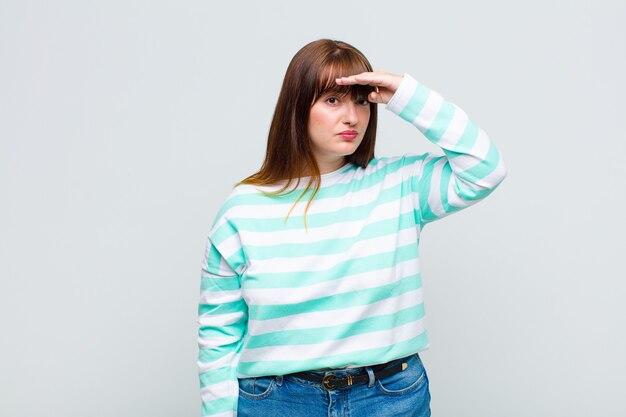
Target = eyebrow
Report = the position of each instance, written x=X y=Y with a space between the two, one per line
x=355 y=92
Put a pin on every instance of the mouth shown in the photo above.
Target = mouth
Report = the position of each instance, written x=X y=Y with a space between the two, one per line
x=348 y=134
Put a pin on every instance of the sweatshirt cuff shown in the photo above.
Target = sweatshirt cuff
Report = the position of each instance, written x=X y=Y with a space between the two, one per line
x=403 y=94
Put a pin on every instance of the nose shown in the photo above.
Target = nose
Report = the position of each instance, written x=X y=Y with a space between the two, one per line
x=350 y=115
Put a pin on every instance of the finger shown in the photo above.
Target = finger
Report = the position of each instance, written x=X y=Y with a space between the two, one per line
x=364 y=79
x=357 y=79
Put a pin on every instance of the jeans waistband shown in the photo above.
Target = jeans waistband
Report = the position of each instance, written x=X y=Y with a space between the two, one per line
x=357 y=370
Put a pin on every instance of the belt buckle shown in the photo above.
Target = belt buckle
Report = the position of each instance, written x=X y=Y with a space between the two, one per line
x=326 y=381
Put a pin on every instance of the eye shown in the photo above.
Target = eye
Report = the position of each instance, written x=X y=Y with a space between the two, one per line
x=332 y=98
x=363 y=101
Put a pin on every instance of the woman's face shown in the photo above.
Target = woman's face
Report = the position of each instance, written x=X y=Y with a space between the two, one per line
x=331 y=115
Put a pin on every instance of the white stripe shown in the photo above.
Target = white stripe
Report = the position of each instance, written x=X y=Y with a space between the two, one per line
x=223 y=269
x=402 y=96
x=221 y=275
x=245 y=189
x=427 y=115
x=216 y=341
x=220 y=390
x=225 y=360
x=218 y=297
x=370 y=340
x=336 y=317
x=434 y=195
x=487 y=182
x=347 y=229
x=362 y=248
x=350 y=283
x=453 y=197
x=415 y=175
x=453 y=133
x=280 y=210
x=478 y=155
x=218 y=320
x=370 y=169
x=481 y=146
x=359 y=198
x=492 y=179
x=224 y=414
x=230 y=246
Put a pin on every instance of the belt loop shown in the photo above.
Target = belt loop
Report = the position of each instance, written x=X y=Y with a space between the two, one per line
x=370 y=373
x=279 y=380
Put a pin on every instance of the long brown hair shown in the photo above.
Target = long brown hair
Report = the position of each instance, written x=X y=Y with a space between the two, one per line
x=310 y=74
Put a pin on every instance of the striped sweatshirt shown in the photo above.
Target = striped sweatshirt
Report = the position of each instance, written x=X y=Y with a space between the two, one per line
x=277 y=298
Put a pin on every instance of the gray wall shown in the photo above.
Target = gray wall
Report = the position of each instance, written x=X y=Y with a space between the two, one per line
x=123 y=125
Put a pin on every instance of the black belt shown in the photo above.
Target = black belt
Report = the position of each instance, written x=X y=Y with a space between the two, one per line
x=330 y=381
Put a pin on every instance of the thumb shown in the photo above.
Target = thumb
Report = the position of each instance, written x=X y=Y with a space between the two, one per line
x=375 y=97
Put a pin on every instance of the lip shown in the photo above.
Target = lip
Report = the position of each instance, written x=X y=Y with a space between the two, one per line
x=348 y=134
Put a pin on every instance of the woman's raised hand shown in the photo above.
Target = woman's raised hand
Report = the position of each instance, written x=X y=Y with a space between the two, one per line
x=386 y=84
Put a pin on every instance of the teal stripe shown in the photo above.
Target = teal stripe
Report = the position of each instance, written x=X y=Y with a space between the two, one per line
x=234 y=199
x=424 y=189
x=231 y=330
x=484 y=168
x=325 y=219
x=214 y=256
x=443 y=187
x=472 y=194
x=414 y=159
x=337 y=301
x=223 y=232
x=225 y=373
x=235 y=329
x=348 y=267
x=331 y=191
x=443 y=119
x=213 y=260
x=333 y=246
x=467 y=140
x=322 y=334
x=213 y=354
x=415 y=104
x=360 y=357
x=224 y=308
x=218 y=284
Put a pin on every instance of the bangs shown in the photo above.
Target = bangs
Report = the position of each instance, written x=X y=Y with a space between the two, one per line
x=341 y=68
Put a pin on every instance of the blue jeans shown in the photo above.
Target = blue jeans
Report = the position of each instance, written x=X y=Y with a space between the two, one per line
x=404 y=394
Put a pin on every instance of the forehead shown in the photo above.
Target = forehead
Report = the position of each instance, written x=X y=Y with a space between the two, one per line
x=326 y=83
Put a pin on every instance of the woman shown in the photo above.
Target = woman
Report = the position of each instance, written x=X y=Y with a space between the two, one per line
x=311 y=296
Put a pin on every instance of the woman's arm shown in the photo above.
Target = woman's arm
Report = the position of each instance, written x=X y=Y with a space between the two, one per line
x=222 y=319
x=471 y=167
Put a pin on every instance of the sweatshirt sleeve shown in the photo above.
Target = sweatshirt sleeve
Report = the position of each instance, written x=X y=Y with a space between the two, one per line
x=471 y=167
x=222 y=319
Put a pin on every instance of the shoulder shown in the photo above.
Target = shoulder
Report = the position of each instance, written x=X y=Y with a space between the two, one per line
x=227 y=205
x=390 y=164
x=240 y=201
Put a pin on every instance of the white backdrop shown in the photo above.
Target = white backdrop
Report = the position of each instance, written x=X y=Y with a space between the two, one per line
x=124 y=124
